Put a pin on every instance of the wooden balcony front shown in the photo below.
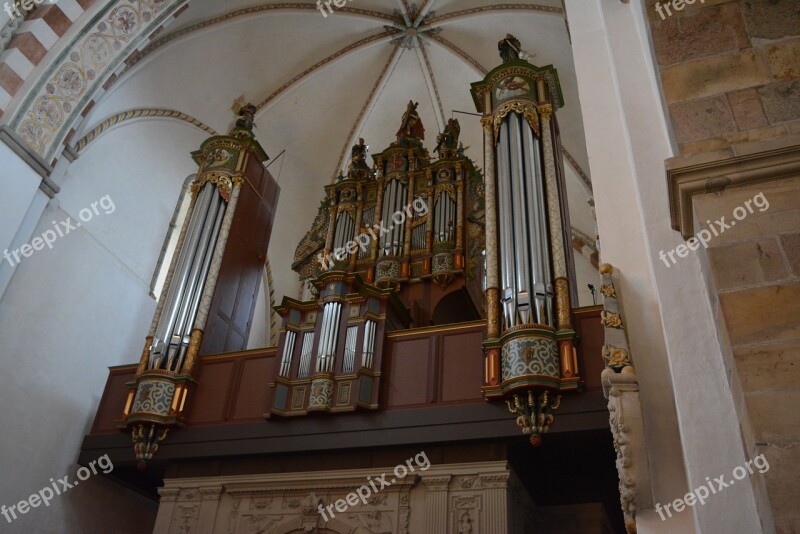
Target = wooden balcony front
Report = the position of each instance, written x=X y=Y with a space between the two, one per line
x=431 y=392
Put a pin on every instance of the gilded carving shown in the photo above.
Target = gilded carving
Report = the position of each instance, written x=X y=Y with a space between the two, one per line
x=616 y=357
x=609 y=291
x=610 y=319
x=525 y=109
x=224 y=183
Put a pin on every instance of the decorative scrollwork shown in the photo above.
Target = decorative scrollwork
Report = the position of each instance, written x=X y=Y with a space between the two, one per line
x=525 y=109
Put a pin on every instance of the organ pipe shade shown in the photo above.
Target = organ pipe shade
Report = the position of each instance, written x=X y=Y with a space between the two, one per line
x=526 y=273
x=171 y=339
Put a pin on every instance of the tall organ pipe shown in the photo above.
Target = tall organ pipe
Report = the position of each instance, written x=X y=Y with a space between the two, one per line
x=539 y=232
x=189 y=274
x=508 y=294
x=191 y=297
x=323 y=331
x=526 y=273
x=195 y=293
x=169 y=314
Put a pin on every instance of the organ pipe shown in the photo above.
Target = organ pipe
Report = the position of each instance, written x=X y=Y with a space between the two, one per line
x=368 y=348
x=530 y=342
x=305 y=355
x=171 y=338
x=288 y=350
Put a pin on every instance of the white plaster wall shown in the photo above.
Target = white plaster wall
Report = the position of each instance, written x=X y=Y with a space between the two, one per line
x=673 y=339
x=72 y=311
x=20 y=186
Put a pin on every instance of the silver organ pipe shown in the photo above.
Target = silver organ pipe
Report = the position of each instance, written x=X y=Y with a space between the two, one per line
x=418 y=236
x=350 y=349
x=169 y=314
x=521 y=251
x=505 y=231
x=345 y=230
x=367 y=219
x=305 y=354
x=323 y=330
x=368 y=347
x=395 y=198
x=398 y=232
x=288 y=350
x=388 y=204
x=198 y=277
x=526 y=272
x=171 y=337
x=329 y=337
x=444 y=219
x=538 y=225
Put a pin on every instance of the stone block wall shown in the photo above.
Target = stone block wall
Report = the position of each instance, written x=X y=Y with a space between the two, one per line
x=754 y=276
x=730 y=69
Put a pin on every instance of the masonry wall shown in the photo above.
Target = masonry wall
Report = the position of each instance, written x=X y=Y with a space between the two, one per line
x=730 y=76
x=730 y=70
x=754 y=273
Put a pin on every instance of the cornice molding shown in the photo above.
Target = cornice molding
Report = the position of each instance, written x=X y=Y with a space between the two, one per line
x=685 y=181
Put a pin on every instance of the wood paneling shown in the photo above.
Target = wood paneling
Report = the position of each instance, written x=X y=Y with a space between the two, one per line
x=235 y=295
x=462 y=367
x=590 y=348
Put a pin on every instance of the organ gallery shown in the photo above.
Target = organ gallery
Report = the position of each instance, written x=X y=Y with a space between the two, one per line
x=437 y=313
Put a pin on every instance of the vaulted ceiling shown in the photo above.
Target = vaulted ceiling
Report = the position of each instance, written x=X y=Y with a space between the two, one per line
x=321 y=81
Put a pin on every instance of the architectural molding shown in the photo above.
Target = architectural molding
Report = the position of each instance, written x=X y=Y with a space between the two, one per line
x=147 y=113
x=10 y=138
x=686 y=177
x=70 y=83
x=466 y=497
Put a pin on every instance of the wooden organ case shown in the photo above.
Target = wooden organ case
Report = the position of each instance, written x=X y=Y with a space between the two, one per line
x=394 y=246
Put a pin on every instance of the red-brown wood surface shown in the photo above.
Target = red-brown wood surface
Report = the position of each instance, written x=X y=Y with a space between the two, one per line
x=235 y=295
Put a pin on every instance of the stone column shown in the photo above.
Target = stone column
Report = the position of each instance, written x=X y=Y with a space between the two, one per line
x=436 y=492
x=208 y=509
x=495 y=501
x=166 y=509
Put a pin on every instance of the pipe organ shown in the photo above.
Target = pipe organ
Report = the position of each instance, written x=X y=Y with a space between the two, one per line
x=388 y=244
x=219 y=257
x=530 y=354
